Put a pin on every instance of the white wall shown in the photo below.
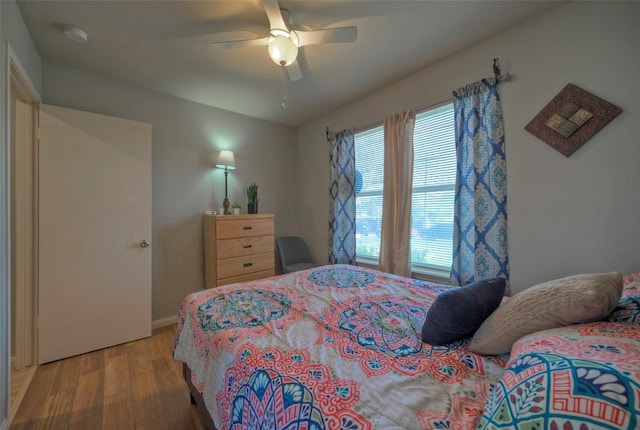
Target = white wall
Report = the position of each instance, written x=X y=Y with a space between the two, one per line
x=566 y=215
x=186 y=137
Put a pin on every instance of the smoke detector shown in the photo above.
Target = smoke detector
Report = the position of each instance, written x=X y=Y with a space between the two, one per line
x=76 y=34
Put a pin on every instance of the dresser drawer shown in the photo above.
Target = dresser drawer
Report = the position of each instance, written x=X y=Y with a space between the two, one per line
x=234 y=228
x=244 y=246
x=242 y=265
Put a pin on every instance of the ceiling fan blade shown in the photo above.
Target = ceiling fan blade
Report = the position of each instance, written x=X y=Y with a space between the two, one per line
x=329 y=35
x=294 y=71
x=272 y=7
x=241 y=43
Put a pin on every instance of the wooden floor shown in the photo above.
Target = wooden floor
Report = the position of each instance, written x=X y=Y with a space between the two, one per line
x=132 y=386
x=20 y=380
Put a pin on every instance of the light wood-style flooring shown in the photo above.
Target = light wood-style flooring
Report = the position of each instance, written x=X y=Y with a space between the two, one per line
x=20 y=380
x=131 y=386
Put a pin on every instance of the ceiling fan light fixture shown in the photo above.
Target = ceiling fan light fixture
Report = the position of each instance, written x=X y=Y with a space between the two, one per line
x=283 y=49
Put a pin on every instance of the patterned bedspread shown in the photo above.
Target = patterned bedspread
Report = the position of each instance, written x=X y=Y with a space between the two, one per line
x=336 y=347
x=583 y=376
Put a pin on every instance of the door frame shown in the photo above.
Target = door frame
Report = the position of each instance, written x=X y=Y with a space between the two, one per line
x=17 y=81
x=24 y=205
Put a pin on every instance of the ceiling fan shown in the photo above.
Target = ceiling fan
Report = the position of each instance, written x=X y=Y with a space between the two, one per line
x=283 y=41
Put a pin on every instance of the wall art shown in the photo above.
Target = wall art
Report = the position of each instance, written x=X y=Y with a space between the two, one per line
x=571 y=118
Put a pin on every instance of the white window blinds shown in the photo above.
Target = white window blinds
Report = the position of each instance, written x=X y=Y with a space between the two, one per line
x=434 y=177
x=369 y=148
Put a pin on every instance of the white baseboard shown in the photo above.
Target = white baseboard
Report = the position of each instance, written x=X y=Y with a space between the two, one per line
x=163 y=322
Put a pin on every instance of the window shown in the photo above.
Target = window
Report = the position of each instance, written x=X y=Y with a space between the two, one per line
x=434 y=176
x=434 y=181
x=369 y=148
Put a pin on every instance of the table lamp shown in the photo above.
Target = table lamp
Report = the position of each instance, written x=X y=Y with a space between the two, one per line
x=226 y=162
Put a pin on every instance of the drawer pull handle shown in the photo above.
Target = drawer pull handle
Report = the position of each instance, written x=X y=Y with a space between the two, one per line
x=247 y=246
x=247 y=227
x=247 y=265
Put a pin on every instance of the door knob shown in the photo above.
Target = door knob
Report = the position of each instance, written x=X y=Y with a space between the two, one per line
x=144 y=244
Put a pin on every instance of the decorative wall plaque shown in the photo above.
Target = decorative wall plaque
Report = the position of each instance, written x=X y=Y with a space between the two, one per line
x=571 y=118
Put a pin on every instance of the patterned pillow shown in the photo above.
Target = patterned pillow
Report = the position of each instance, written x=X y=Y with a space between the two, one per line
x=631 y=285
x=571 y=300
x=631 y=278
x=628 y=308
x=584 y=376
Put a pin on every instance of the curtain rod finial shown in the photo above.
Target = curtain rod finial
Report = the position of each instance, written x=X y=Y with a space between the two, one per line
x=498 y=73
x=496 y=67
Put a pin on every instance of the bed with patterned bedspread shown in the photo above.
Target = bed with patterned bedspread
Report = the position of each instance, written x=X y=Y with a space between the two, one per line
x=339 y=347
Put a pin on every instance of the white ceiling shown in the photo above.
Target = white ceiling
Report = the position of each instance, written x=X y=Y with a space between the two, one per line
x=166 y=46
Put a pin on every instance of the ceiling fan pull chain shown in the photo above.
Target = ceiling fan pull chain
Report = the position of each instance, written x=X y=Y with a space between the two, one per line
x=284 y=87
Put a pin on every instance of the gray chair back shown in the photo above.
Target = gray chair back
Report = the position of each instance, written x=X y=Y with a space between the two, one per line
x=294 y=254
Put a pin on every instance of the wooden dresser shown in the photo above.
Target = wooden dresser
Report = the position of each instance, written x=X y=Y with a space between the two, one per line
x=238 y=248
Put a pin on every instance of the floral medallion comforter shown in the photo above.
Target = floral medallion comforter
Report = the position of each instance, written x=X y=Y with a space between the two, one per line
x=583 y=376
x=336 y=347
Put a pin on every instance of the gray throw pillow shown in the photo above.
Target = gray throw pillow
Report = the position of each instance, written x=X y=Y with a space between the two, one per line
x=458 y=312
x=571 y=300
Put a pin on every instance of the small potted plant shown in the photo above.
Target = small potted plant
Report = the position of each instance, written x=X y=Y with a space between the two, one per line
x=236 y=208
x=252 y=198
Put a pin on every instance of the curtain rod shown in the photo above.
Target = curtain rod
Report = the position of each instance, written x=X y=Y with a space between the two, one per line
x=499 y=76
x=418 y=110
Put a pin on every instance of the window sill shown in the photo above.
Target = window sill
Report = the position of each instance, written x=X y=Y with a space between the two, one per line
x=430 y=274
x=367 y=262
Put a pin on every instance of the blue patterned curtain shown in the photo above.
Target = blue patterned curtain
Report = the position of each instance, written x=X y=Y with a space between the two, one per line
x=480 y=222
x=342 y=198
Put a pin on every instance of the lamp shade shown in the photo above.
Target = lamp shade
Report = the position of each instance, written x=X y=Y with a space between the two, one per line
x=225 y=160
x=283 y=50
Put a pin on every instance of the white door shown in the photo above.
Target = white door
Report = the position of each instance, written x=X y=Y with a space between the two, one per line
x=94 y=214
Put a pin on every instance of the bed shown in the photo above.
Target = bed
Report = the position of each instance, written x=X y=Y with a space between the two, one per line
x=339 y=347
